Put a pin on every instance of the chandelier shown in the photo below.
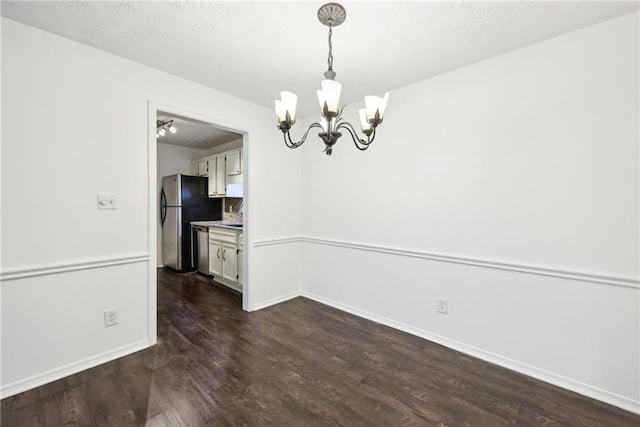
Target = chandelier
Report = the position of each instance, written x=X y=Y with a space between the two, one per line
x=162 y=127
x=331 y=122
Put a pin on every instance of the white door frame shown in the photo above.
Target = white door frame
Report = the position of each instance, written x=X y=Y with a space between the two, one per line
x=153 y=202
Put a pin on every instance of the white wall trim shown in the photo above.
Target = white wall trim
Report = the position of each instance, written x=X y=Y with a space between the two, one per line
x=70 y=369
x=563 y=273
x=627 y=282
x=540 y=374
x=152 y=224
x=277 y=241
x=46 y=270
x=276 y=300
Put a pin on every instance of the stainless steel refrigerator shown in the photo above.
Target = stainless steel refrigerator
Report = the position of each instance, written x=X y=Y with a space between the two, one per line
x=183 y=199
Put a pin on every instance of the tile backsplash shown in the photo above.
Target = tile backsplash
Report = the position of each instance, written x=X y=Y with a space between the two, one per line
x=231 y=212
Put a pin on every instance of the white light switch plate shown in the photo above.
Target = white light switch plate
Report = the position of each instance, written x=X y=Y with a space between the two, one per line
x=107 y=201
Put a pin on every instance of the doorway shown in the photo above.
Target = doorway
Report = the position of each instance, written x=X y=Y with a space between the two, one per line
x=193 y=137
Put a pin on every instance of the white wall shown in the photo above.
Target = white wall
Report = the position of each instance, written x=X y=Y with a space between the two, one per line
x=75 y=123
x=509 y=187
x=172 y=160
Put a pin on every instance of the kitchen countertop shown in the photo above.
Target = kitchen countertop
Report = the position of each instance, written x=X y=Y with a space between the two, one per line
x=219 y=224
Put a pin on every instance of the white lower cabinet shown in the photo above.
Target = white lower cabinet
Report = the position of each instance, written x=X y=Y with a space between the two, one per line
x=230 y=262
x=215 y=257
x=223 y=257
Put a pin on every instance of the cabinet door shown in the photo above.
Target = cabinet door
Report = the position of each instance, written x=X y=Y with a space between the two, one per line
x=221 y=178
x=215 y=258
x=194 y=167
x=202 y=167
x=212 y=177
x=234 y=162
x=240 y=257
x=230 y=262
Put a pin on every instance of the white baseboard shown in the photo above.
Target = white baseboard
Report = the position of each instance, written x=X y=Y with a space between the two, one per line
x=70 y=369
x=540 y=374
x=276 y=300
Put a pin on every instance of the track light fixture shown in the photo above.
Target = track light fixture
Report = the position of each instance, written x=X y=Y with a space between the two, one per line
x=162 y=127
x=331 y=15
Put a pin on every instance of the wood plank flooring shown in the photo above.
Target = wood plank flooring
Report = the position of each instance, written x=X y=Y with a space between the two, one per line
x=298 y=363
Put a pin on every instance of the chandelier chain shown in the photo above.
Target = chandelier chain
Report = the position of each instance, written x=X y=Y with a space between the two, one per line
x=330 y=58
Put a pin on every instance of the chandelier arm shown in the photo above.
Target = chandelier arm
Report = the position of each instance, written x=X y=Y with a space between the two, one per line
x=292 y=144
x=360 y=143
x=289 y=143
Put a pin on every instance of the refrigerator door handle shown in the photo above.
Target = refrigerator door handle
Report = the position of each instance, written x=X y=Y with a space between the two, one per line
x=163 y=207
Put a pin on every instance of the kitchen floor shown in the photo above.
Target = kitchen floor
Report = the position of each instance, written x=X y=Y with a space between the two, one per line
x=298 y=363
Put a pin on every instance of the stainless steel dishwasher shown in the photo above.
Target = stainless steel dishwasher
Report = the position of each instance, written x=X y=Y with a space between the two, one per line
x=201 y=246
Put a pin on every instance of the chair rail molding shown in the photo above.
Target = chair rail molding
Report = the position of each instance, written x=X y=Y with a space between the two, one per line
x=277 y=241
x=66 y=267
x=584 y=276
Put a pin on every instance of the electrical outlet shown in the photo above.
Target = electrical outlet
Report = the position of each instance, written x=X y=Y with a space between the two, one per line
x=443 y=305
x=111 y=317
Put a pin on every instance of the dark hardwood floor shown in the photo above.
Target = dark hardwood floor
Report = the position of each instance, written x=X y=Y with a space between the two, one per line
x=298 y=363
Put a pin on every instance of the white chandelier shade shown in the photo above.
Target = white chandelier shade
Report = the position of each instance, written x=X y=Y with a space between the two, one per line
x=375 y=105
x=286 y=105
x=329 y=96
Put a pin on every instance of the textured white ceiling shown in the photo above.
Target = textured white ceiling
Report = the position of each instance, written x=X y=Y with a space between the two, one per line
x=256 y=49
x=194 y=133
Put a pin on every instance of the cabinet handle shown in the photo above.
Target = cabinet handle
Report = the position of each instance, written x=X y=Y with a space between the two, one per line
x=218 y=253
x=223 y=252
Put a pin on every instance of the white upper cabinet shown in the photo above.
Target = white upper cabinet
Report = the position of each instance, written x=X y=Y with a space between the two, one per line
x=234 y=162
x=194 y=167
x=213 y=182
x=217 y=175
x=202 y=167
x=199 y=167
x=222 y=169
x=234 y=166
x=221 y=178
